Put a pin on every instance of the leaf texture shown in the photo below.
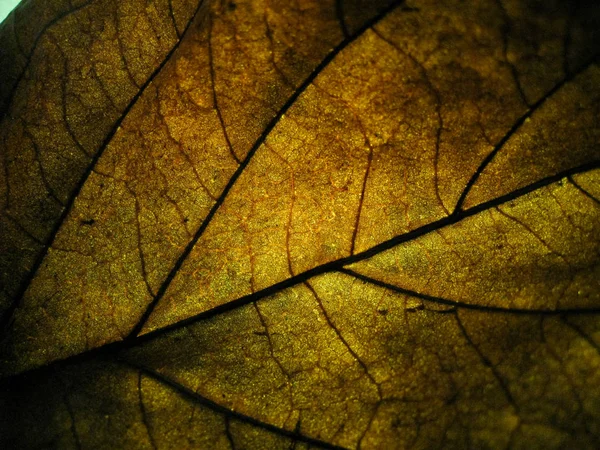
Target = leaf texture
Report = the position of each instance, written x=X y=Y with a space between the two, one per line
x=264 y=224
x=68 y=88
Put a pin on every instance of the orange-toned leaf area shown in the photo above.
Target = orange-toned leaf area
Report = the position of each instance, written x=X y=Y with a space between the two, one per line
x=269 y=224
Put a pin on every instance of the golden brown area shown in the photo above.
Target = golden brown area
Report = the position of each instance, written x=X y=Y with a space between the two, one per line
x=107 y=406
x=355 y=364
x=537 y=252
x=166 y=165
x=564 y=132
x=311 y=224
x=336 y=176
x=68 y=85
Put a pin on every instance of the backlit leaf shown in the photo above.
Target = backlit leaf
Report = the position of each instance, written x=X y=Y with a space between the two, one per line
x=269 y=224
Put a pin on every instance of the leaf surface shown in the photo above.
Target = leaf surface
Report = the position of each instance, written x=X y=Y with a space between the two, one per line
x=286 y=225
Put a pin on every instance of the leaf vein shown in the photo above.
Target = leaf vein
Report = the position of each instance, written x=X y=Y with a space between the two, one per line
x=56 y=20
x=339 y=266
x=220 y=409
x=513 y=130
x=5 y=319
x=257 y=144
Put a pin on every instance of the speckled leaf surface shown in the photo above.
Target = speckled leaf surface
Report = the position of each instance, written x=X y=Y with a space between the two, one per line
x=265 y=224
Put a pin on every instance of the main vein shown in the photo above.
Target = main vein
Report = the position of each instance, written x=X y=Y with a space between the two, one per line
x=8 y=314
x=261 y=139
x=338 y=266
x=218 y=408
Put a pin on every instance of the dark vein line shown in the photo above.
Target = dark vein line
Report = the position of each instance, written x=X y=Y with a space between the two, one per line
x=333 y=266
x=64 y=92
x=554 y=354
x=172 y=15
x=512 y=131
x=8 y=314
x=73 y=427
x=362 y=196
x=288 y=104
x=22 y=228
x=272 y=47
x=138 y=230
x=13 y=90
x=463 y=214
x=288 y=228
x=471 y=306
x=211 y=63
x=367 y=172
x=15 y=35
x=144 y=412
x=228 y=433
x=506 y=30
x=535 y=234
x=582 y=334
x=339 y=12
x=189 y=161
x=220 y=409
x=438 y=111
x=343 y=340
x=122 y=55
x=103 y=88
x=438 y=140
x=292 y=445
x=582 y=190
x=263 y=323
x=486 y=362
x=367 y=429
x=338 y=264
x=38 y=159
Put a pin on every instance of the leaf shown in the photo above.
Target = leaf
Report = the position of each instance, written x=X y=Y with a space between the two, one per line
x=319 y=224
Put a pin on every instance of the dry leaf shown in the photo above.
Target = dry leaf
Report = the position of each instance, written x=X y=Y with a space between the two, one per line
x=269 y=224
